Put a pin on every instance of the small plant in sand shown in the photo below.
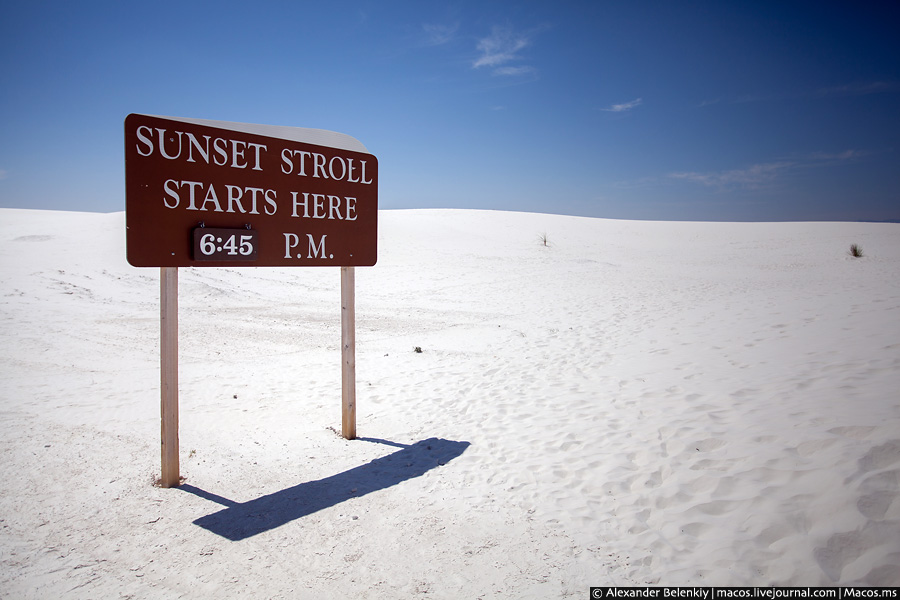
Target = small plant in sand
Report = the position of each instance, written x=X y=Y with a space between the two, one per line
x=855 y=251
x=545 y=239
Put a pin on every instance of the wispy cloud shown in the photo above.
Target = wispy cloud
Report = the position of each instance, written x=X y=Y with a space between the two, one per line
x=3 y=173
x=514 y=71
x=831 y=157
x=751 y=98
x=860 y=89
x=751 y=176
x=625 y=106
x=438 y=35
x=760 y=174
x=852 y=89
x=501 y=47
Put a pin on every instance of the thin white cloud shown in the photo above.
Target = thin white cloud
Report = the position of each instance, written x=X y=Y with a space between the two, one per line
x=839 y=157
x=438 y=35
x=3 y=173
x=501 y=47
x=751 y=176
x=751 y=98
x=625 y=106
x=761 y=174
x=853 y=89
x=514 y=71
x=860 y=89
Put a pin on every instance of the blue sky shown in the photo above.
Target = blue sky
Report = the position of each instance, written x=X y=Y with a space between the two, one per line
x=743 y=111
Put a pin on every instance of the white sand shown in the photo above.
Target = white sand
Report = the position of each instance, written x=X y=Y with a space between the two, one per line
x=639 y=403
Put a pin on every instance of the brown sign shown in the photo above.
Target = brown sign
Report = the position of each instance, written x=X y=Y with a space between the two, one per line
x=209 y=193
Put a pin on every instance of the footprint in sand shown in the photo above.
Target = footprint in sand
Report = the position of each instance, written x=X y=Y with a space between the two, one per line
x=880 y=499
x=875 y=506
x=715 y=508
x=858 y=433
x=708 y=445
x=813 y=446
x=696 y=529
x=840 y=550
x=772 y=534
x=881 y=457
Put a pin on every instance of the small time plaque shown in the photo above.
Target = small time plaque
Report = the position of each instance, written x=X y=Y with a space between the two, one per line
x=211 y=244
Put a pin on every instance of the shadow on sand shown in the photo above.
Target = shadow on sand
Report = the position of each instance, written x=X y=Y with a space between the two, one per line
x=241 y=520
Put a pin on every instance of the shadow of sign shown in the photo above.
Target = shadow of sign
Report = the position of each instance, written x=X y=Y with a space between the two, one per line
x=241 y=520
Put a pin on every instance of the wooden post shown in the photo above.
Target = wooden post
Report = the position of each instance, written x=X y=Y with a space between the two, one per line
x=168 y=300
x=348 y=353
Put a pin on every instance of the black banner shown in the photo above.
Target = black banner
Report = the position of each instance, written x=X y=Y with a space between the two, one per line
x=726 y=593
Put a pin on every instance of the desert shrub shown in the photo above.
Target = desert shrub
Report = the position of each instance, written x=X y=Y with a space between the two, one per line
x=855 y=251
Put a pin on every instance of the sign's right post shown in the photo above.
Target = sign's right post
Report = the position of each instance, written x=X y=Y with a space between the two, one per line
x=348 y=353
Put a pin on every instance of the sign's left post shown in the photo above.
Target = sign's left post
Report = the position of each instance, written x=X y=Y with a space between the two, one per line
x=168 y=300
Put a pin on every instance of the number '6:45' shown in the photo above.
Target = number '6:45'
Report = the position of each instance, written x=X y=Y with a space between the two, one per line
x=225 y=244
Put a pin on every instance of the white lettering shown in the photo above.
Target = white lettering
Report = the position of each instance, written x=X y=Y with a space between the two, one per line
x=172 y=193
x=350 y=171
x=286 y=159
x=291 y=240
x=334 y=205
x=286 y=156
x=235 y=154
x=193 y=186
x=303 y=154
x=211 y=197
x=313 y=249
x=256 y=149
x=318 y=203
x=270 y=202
x=321 y=206
x=319 y=165
x=145 y=139
x=195 y=144
x=331 y=167
x=221 y=150
x=162 y=143
x=234 y=197
x=253 y=191
x=363 y=177
x=305 y=204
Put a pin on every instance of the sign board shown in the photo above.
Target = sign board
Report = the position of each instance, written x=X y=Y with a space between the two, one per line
x=213 y=193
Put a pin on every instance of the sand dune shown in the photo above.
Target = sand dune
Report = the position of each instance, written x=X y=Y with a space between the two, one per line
x=636 y=403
